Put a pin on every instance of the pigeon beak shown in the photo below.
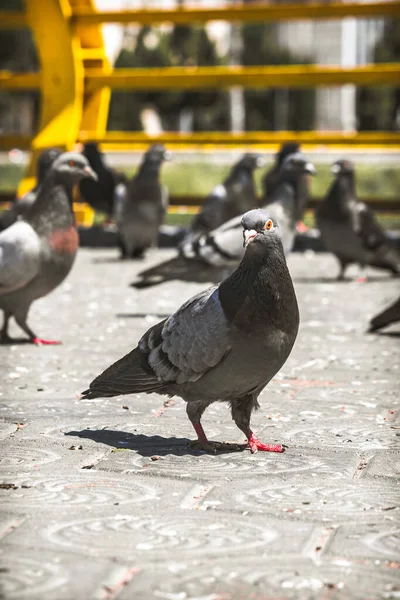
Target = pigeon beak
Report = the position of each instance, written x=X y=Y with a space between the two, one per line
x=167 y=155
x=89 y=173
x=248 y=236
x=260 y=162
x=335 y=168
x=309 y=168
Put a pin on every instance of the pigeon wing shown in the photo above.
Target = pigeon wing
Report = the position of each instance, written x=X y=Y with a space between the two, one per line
x=19 y=256
x=190 y=342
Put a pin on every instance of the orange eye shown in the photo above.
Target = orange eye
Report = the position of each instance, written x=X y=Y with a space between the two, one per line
x=268 y=225
x=71 y=163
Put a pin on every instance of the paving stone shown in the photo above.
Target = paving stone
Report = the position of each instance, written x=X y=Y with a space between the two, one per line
x=105 y=499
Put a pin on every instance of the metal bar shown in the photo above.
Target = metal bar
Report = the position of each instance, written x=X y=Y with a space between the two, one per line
x=244 y=13
x=19 y=81
x=388 y=205
x=215 y=139
x=250 y=77
x=12 y=20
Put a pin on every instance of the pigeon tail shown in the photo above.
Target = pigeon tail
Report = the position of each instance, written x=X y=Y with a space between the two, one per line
x=128 y=375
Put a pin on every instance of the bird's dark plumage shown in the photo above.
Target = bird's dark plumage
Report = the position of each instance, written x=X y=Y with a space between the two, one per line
x=100 y=193
x=20 y=207
x=38 y=251
x=225 y=343
x=141 y=205
x=271 y=177
x=390 y=315
x=222 y=248
x=349 y=228
x=235 y=196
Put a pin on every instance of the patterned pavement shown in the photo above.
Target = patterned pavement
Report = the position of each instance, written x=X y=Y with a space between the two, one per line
x=103 y=499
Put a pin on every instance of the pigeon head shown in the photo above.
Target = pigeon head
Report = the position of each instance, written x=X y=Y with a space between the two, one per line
x=297 y=164
x=260 y=229
x=72 y=167
x=342 y=167
x=285 y=150
x=45 y=161
x=252 y=161
x=157 y=153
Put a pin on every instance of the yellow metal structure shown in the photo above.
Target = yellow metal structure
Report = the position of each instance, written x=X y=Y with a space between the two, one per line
x=248 y=13
x=75 y=78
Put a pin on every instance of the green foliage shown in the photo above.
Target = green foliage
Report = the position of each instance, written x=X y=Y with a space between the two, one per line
x=260 y=47
x=377 y=107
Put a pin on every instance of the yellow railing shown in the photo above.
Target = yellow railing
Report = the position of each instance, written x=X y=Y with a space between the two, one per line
x=76 y=78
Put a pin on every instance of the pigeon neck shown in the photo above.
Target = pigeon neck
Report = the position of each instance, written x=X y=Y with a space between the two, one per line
x=53 y=206
x=346 y=183
x=260 y=291
x=149 y=170
x=241 y=174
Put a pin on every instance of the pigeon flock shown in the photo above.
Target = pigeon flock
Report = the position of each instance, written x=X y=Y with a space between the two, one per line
x=227 y=342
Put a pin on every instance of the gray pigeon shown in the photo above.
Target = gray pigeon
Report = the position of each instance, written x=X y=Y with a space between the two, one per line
x=20 y=207
x=100 y=194
x=38 y=251
x=388 y=316
x=141 y=205
x=235 y=196
x=224 y=344
x=221 y=247
x=271 y=177
x=349 y=228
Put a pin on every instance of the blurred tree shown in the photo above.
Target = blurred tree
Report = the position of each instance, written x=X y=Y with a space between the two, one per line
x=272 y=109
x=17 y=53
x=379 y=107
x=178 y=109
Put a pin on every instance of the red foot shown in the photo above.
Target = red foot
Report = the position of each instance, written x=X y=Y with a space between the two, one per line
x=40 y=342
x=254 y=444
x=301 y=227
x=361 y=279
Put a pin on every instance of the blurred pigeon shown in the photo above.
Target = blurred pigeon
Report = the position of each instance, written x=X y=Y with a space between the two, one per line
x=221 y=247
x=271 y=178
x=349 y=228
x=19 y=207
x=224 y=344
x=38 y=251
x=141 y=205
x=386 y=317
x=233 y=197
x=100 y=193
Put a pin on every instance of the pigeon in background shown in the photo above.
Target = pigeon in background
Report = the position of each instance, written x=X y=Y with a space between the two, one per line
x=141 y=205
x=38 y=251
x=349 y=228
x=388 y=316
x=235 y=196
x=221 y=247
x=19 y=207
x=99 y=194
x=271 y=177
x=224 y=344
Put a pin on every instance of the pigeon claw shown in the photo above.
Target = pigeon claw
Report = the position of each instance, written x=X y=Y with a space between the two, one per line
x=255 y=444
x=40 y=342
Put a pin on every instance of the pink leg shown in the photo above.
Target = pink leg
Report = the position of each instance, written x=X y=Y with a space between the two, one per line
x=203 y=443
x=254 y=444
x=301 y=227
x=40 y=342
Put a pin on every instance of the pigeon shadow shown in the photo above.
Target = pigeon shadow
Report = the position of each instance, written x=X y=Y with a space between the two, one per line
x=146 y=445
x=179 y=268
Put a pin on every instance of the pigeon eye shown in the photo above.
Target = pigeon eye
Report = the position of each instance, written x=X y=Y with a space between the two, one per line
x=268 y=225
x=71 y=163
